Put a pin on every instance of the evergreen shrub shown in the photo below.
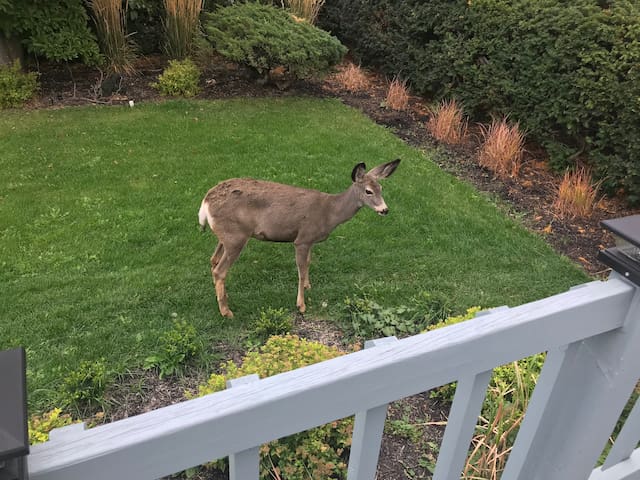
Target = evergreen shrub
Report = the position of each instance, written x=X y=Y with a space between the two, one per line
x=569 y=73
x=268 y=39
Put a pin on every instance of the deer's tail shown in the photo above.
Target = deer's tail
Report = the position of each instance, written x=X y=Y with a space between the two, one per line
x=203 y=215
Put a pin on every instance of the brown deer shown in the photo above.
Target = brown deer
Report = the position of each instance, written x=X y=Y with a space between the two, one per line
x=241 y=208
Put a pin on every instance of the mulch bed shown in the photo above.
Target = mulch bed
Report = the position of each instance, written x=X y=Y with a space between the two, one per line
x=529 y=197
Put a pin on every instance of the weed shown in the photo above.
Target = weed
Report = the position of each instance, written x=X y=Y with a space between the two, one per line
x=84 y=387
x=502 y=148
x=178 y=346
x=447 y=123
x=353 y=79
x=272 y=322
x=577 y=194
x=397 y=95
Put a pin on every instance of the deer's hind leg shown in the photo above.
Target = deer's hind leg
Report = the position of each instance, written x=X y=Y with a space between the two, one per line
x=303 y=258
x=225 y=254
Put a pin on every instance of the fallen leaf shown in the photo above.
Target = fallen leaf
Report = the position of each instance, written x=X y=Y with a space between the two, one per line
x=547 y=230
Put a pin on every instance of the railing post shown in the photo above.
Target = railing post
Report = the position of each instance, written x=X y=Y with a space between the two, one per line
x=580 y=394
x=367 y=433
x=244 y=465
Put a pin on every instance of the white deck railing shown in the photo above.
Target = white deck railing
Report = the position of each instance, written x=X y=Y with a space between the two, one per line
x=591 y=334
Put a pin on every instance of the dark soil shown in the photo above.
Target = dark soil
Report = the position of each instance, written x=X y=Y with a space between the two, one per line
x=415 y=425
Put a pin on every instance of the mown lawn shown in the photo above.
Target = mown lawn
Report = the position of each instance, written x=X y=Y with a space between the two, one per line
x=100 y=250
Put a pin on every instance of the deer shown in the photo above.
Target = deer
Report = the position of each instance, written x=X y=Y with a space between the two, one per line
x=242 y=208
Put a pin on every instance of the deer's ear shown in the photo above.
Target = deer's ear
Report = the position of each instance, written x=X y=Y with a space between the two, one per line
x=384 y=170
x=358 y=172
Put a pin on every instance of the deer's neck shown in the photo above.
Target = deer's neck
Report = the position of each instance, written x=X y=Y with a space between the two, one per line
x=345 y=206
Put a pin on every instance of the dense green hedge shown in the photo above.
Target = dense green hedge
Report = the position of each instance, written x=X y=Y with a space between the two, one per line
x=569 y=72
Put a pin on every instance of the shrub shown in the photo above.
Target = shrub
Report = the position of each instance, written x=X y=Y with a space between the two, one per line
x=268 y=40
x=181 y=26
x=177 y=347
x=502 y=148
x=317 y=453
x=110 y=20
x=41 y=425
x=180 y=78
x=447 y=123
x=16 y=87
x=577 y=194
x=56 y=30
x=565 y=71
x=397 y=95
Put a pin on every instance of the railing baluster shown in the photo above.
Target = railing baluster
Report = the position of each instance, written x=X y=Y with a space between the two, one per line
x=467 y=403
x=367 y=433
x=244 y=465
x=627 y=439
x=580 y=394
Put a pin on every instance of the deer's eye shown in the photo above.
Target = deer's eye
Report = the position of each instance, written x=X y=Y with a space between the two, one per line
x=368 y=192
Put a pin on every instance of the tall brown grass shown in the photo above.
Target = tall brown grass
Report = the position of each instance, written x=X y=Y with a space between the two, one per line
x=447 y=123
x=307 y=9
x=502 y=148
x=397 y=95
x=577 y=194
x=110 y=19
x=496 y=431
x=181 y=27
x=353 y=79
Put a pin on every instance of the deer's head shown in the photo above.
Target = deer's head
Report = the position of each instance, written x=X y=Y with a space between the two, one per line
x=367 y=186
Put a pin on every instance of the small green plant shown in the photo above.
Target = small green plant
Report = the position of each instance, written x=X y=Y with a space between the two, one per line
x=180 y=78
x=177 y=347
x=84 y=387
x=16 y=87
x=272 y=322
x=41 y=425
x=317 y=453
x=270 y=41
x=366 y=318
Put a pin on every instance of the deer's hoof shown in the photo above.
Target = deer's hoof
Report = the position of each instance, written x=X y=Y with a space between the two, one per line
x=302 y=308
x=226 y=313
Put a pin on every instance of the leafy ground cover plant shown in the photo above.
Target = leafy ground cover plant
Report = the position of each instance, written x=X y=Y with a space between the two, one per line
x=41 y=425
x=271 y=42
x=16 y=87
x=180 y=78
x=317 y=453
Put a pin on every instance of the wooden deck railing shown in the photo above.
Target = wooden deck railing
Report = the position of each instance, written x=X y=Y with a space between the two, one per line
x=591 y=334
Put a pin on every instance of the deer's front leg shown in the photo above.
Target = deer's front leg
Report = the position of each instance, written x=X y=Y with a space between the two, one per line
x=303 y=258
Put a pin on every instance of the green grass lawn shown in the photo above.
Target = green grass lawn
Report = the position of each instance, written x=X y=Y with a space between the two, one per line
x=100 y=250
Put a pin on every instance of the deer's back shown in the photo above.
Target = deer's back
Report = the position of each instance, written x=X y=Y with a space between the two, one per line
x=264 y=210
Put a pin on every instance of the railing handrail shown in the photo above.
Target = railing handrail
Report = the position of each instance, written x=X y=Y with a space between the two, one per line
x=179 y=436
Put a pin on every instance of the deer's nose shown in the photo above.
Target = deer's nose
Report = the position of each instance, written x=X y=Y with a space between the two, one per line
x=383 y=212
